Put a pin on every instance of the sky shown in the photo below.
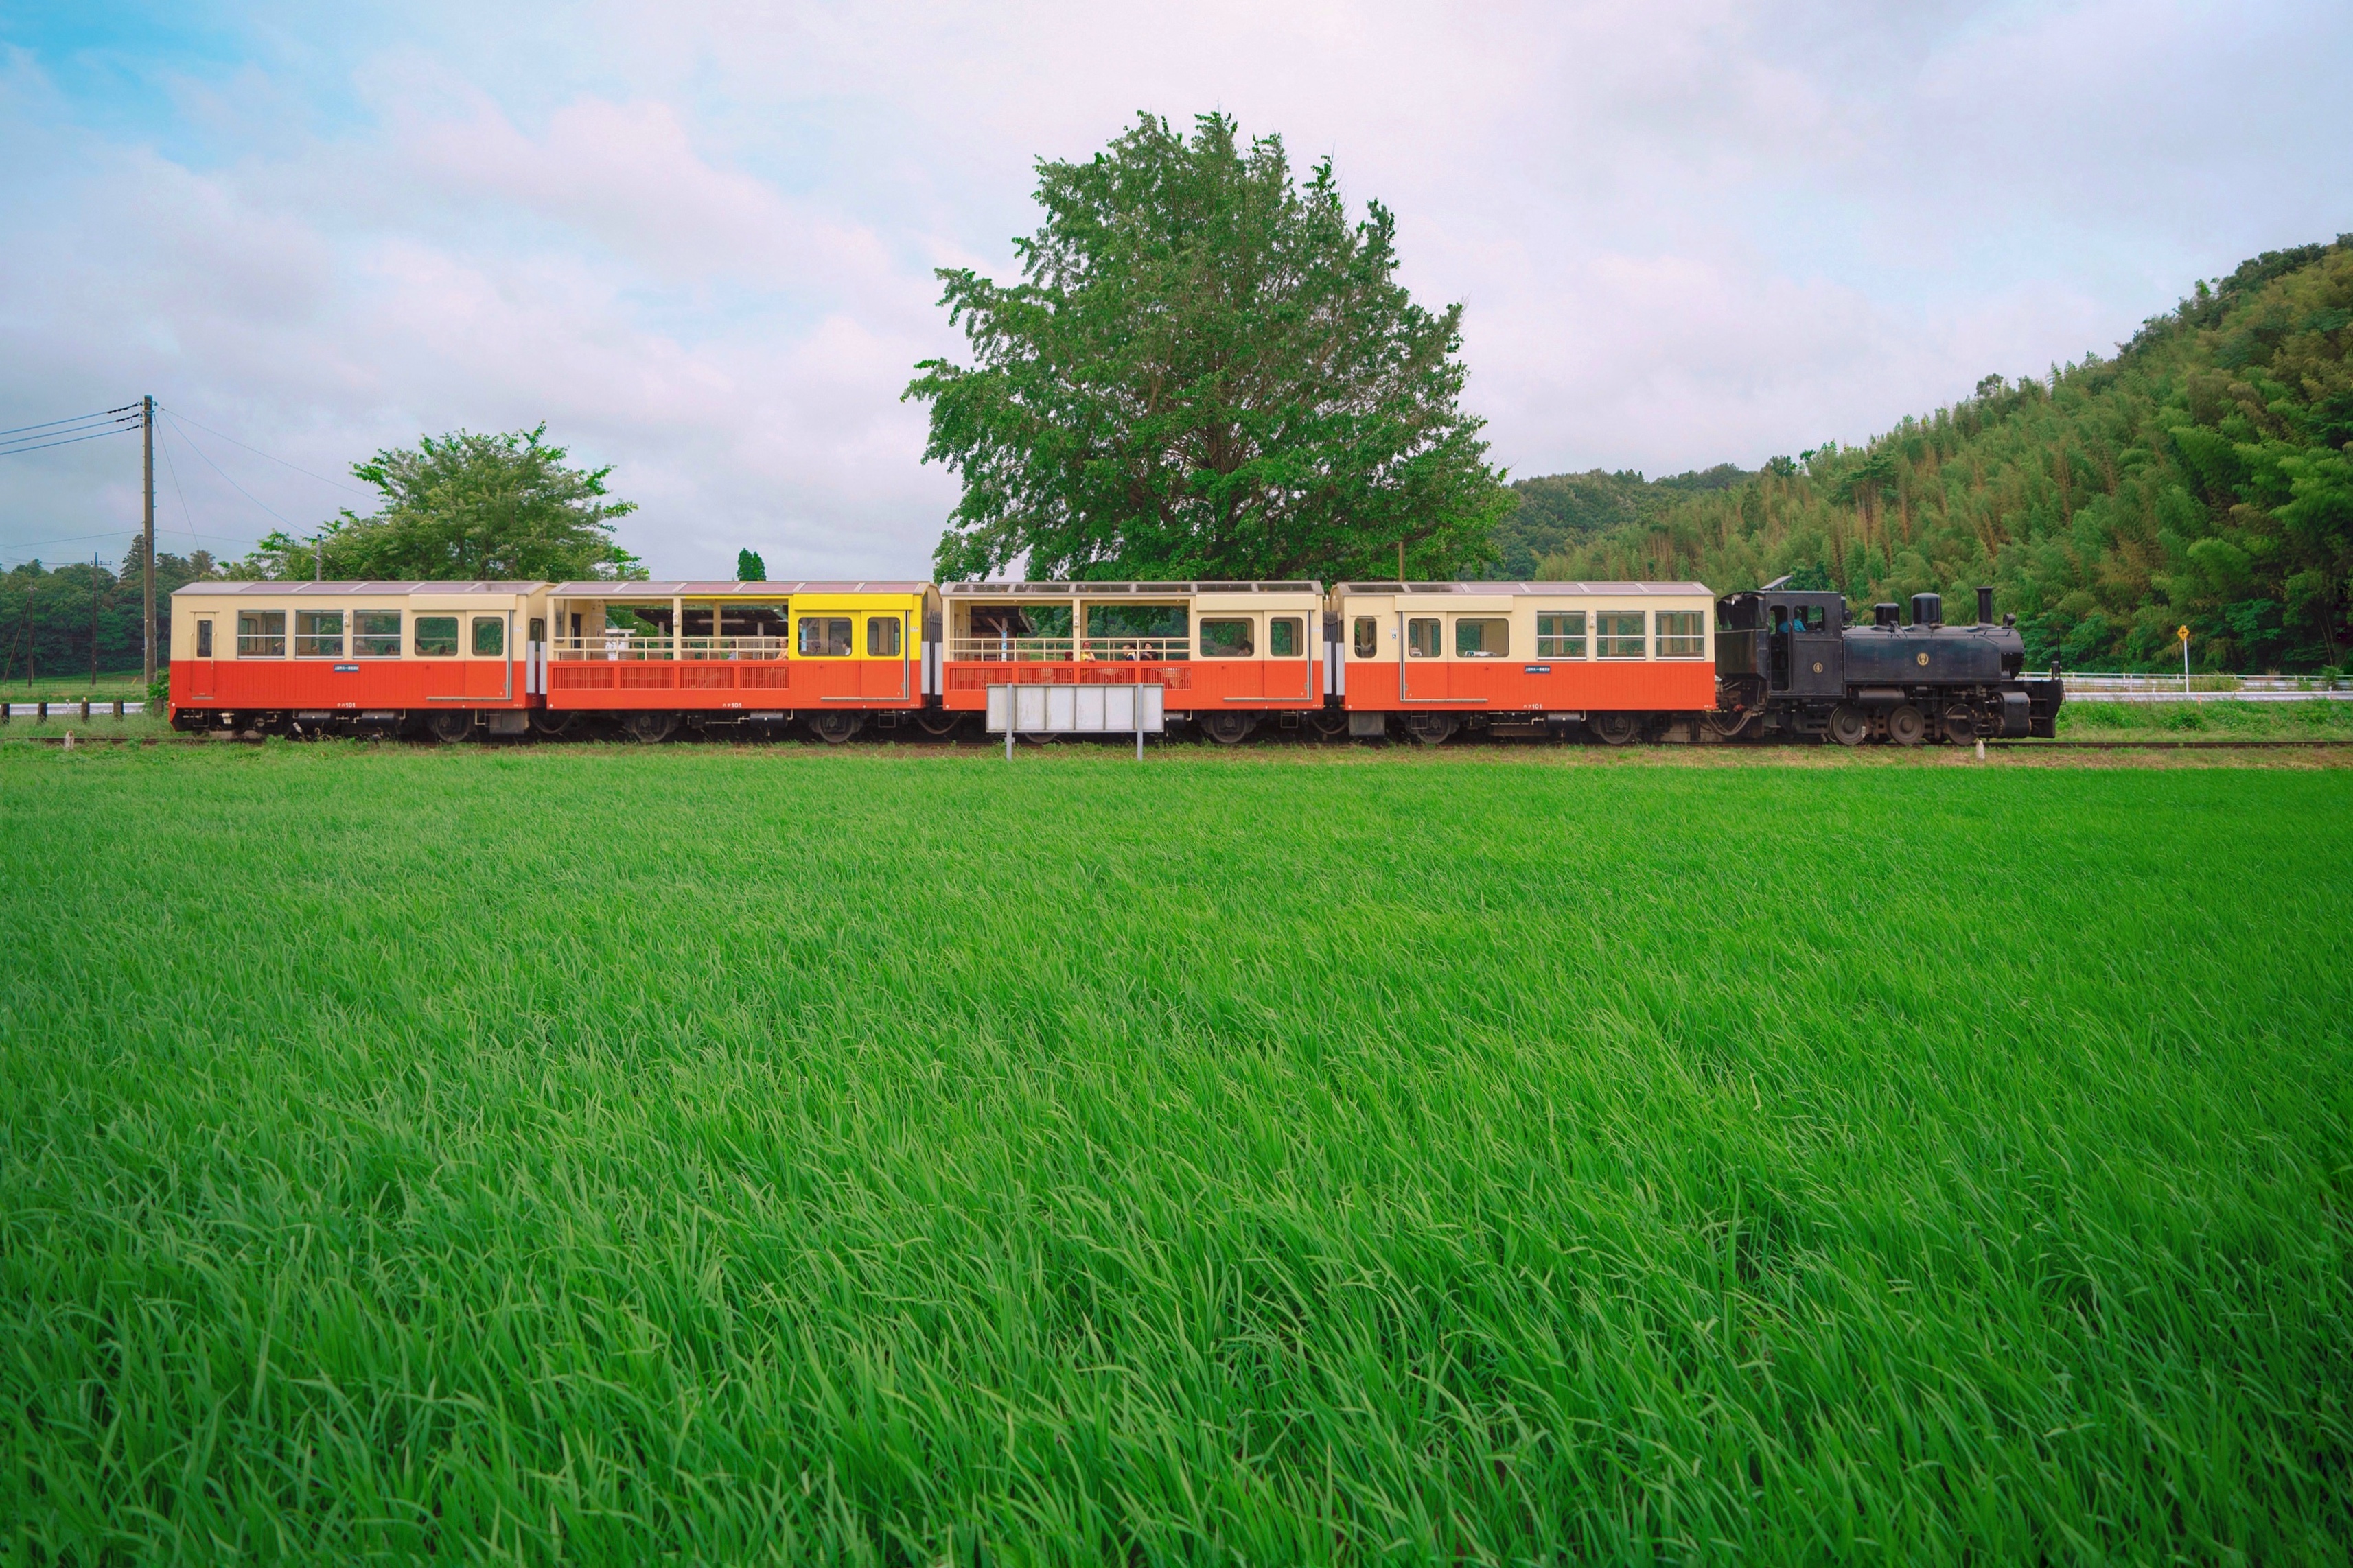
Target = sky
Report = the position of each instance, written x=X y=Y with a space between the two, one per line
x=698 y=240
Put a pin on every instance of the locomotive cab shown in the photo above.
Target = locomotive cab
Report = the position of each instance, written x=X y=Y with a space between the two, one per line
x=1779 y=642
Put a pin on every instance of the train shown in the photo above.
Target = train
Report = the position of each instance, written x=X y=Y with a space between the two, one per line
x=1617 y=663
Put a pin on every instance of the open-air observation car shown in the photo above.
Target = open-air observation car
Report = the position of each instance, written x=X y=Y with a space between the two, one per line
x=655 y=654
x=1622 y=657
x=1226 y=654
x=444 y=657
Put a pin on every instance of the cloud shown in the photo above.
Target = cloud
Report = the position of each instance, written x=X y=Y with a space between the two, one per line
x=698 y=240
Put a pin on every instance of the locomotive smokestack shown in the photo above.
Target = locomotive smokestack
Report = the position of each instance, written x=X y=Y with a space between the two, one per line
x=1985 y=606
x=1885 y=616
x=1927 y=609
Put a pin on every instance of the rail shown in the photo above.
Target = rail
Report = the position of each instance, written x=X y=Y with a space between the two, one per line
x=1063 y=650
x=622 y=648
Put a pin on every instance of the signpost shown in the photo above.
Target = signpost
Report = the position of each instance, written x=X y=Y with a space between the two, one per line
x=2183 y=633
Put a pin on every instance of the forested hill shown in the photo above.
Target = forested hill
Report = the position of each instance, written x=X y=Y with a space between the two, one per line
x=2203 y=476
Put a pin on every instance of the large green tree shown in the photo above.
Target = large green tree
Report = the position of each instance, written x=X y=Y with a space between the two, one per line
x=466 y=507
x=1206 y=371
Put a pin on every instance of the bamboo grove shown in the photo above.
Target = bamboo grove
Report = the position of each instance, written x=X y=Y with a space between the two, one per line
x=2202 y=477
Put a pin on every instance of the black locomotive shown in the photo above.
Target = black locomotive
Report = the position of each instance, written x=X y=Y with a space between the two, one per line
x=1786 y=662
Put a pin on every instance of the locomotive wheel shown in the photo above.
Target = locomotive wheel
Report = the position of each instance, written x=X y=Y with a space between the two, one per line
x=834 y=728
x=449 y=728
x=1229 y=729
x=940 y=721
x=548 y=723
x=1430 y=729
x=1616 y=729
x=651 y=729
x=1905 y=727
x=1330 y=724
x=1850 y=726
x=1960 y=726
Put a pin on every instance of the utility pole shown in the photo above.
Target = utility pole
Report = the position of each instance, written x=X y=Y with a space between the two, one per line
x=147 y=539
x=94 y=570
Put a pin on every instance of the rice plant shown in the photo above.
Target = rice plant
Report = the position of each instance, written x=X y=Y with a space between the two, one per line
x=874 y=1156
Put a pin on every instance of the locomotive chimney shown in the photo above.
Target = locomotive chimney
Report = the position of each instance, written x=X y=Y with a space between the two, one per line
x=1927 y=609
x=1884 y=616
x=1985 y=606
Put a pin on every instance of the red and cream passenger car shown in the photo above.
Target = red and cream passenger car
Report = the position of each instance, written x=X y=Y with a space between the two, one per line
x=1622 y=657
x=1227 y=654
x=443 y=657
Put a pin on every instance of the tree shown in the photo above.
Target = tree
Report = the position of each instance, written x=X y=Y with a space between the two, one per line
x=1206 y=370
x=463 y=508
x=749 y=567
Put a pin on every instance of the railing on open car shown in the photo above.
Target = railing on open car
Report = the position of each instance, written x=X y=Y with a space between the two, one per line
x=1027 y=650
x=621 y=648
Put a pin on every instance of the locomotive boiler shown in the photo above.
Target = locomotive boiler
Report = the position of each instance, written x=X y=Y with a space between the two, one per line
x=1787 y=662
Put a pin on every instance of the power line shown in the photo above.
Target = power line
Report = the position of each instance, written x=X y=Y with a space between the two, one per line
x=259 y=453
x=216 y=467
x=126 y=408
x=68 y=441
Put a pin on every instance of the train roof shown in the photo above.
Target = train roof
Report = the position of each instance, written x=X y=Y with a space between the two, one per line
x=1082 y=588
x=282 y=586
x=716 y=588
x=1562 y=590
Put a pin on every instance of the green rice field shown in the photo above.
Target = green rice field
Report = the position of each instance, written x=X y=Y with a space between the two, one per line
x=898 y=1155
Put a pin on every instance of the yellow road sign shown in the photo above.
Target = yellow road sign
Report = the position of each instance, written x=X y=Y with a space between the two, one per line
x=2182 y=632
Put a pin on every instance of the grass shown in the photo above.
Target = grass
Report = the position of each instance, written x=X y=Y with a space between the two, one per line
x=794 y=1154
x=2220 y=720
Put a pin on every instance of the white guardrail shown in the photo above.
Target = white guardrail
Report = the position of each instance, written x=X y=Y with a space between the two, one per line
x=2094 y=687
x=74 y=708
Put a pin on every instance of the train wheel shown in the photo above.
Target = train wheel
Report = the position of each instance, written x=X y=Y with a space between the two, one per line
x=1616 y=729
x=547 y=721
x=449 y=728
x=1329 y=724
x=1850 y=726
x=1905 y=727
x=1229 y=729
x=1430 y=729
x=1960 y=726
x=939 y=721
x=651 y=729
x=833 y=729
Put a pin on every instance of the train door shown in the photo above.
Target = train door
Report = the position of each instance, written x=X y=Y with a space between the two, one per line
x=200 y=671
x=488 y=674
x=1240 y=664
x=1287 y=663
x=882 y=674
x=1421 y=659
x=1817 y=653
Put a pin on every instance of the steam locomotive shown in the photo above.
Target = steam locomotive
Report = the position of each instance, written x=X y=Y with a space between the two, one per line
x=1786 y=662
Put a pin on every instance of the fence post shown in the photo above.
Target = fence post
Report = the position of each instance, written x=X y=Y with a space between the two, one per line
x=41 y=711
x=118 y=707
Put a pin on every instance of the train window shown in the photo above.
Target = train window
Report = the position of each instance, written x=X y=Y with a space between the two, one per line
x=1482 y=639
x=375 y=633
x=1618 y=634
x=1561 y=635
x=318 y=634
x=1368 y=637
x=490 y=637
x=883 y=636
x=262 y=634
x=203 y=639
x=436 y=636
x=1679 y=635
x=1421 y=639
x=1283 y=637
x=1226 y=640
x=825 y=637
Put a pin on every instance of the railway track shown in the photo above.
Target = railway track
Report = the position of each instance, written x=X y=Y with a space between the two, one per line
x=2119 y=745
